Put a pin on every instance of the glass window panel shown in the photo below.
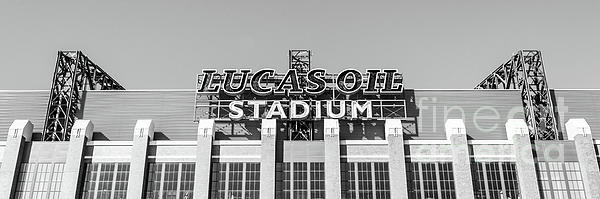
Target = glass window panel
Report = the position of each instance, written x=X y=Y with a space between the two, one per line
x=235 y=180
x=170 y=180
x=317 y=180
x=382 y=180
x=39 y=180
x=186 y=188
x=560 y=180
x=106 y=180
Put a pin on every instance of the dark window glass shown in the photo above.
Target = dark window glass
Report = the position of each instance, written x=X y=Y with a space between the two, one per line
x=235 y=180
x=170 y=180
x=430 y=180
x=106 y=180
x=365 y=180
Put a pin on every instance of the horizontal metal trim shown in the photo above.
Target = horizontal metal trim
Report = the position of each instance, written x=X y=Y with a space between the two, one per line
x=499 y=142
x=575 y=89
x=363 y=142
x=258 y=142
x=428 y=156
x=145 y=90
x=241 y=157
x=460 y=89
x=173 y=143
x=107 y=157
x=23 y=91
x=172 y=157
x=426 y=142
x=365 y=156
x=492 y=156
x=109 y=143
x=3 y=143
x=237 y=143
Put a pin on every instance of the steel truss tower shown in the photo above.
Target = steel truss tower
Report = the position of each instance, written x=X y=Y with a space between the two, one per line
x=300 y=60
x=525 y=71
x=74 y=74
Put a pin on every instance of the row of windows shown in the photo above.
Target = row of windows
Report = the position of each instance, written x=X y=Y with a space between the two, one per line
x=106 y=181
x=365 y=180
x=495 y=180
x=170 y=181
x=235 y=180
x=430 y=180
x=39 y=180
x=299 y=180
x=560 y=180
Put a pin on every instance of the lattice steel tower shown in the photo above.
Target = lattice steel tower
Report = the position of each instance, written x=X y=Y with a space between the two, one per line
x=525 y=71
x=300 y=60
x=74 y=74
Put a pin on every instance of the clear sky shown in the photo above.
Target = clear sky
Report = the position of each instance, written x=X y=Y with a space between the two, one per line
x=163 y=44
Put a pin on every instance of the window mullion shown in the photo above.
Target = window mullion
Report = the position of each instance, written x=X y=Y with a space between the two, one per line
x=291 y=180
x=548 y=172
x=51 y=173
x=373 y=179
x=308 y=178
x=503 y=188
x=244 y=180
x=356 y=180
x=114 y=180
x=96 y=185
x=227 y=165
x=486 y=186
x=437 y=179
x=34 y=179
x=179 y=171
x=566 y=179
x=162 y=180
x=420 y=170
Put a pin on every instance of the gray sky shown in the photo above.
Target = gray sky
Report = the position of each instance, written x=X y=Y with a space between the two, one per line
x=163 y=44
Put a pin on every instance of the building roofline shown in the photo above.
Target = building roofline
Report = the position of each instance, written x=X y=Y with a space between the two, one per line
x=416 y=89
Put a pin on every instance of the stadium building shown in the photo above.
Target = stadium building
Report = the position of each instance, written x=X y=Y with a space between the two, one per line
x=300 y=133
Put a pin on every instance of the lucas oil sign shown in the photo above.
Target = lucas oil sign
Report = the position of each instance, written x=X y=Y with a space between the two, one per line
x=315 y=94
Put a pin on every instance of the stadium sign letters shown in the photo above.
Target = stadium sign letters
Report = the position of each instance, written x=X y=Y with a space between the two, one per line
x=299 y=95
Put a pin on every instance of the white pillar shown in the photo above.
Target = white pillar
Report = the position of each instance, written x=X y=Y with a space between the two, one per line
x=19 y=132
x=333 y=184
x=518 y=132
x=397 y=160
x=268 y=136
x=461 y=159
x=203 y=158
x=81 y=132
x=143 y=133
x=579 y=131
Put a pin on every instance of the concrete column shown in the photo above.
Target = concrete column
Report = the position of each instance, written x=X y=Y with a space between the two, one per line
x=579 y=131
x=461 y=159
x=268 y=136
x=333 y=184
x=72 y=179
x=18 y=133
x=518 y=132
x=142 y=134
x=203 y=158
x=397 y=162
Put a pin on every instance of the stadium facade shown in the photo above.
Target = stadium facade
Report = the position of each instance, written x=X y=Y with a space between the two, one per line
x=211 y=143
